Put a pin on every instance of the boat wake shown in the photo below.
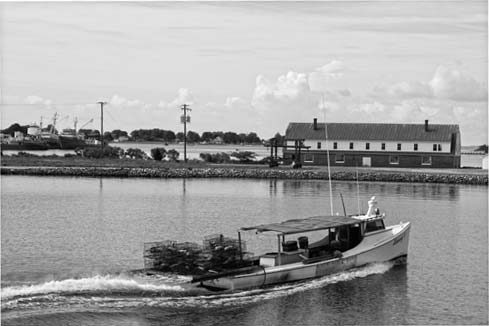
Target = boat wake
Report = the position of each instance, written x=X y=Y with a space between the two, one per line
x=139 y=290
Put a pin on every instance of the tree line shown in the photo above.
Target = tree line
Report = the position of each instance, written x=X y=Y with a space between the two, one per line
x=157 y=134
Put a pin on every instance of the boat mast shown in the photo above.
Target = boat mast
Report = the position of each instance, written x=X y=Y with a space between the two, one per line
x=327 y=156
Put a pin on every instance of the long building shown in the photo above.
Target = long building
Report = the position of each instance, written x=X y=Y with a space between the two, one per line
x=374 y=144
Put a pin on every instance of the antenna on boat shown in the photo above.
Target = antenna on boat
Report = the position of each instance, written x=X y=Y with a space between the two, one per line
x=343 y=203
x=358 y=192
x=327 y=156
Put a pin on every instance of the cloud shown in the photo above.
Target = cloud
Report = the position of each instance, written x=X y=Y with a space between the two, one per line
x=320 y=78
x=290 y=87
x=34 y=99
x=454 y=84
x=447 y=83
x=184 y=96
x=236 y=103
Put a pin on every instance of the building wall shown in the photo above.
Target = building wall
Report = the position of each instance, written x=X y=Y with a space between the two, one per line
x=390 y=146
x=377 y=159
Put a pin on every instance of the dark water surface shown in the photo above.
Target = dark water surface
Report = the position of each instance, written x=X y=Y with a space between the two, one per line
x=68 y=245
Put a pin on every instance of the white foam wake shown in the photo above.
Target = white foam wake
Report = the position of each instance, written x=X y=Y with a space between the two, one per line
x=104 y=291
x=107 y=283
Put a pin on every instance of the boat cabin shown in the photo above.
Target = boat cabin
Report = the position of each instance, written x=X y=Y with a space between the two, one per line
x=342 y=233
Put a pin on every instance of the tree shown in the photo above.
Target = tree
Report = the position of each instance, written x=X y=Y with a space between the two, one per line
x=158 y=153
x=207 y=136
x=136 y=153
x=173 y=155
x=482 y=148
x=280 y=139
x=252 y=138
x=230 y=138
x=192 y=137
x=108 y=136
x=179 y=136
x=117 y=133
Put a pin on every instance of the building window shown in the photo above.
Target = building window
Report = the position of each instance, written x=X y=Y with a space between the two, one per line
x=415 y=147
x=367 y=145
x=393 y=159
x=383 y=146
x=340 y=158
x=434 y=147
x=319 y=145
x=335 y=145
x=426 y=160
x=351 y=145
x=439 y=147
x=308 y=158
x=398 y=147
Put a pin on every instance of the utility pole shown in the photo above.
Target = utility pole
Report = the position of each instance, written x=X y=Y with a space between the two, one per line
x=184 y=119
x=102 y=123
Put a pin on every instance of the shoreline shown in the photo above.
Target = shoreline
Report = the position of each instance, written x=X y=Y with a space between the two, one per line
x=254 y=172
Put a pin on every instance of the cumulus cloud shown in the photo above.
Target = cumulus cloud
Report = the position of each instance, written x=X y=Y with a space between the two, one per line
x=122 y=102
x=454 y=84
x=289 y=89
x=447 y=83
x=319 y=79
x=184 y=96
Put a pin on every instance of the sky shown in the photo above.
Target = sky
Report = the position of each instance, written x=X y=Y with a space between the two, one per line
x=245 y=66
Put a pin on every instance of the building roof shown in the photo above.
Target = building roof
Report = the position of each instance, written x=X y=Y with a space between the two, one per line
x=309 y=224
x=371 y=131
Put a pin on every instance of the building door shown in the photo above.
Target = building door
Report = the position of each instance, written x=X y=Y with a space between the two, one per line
x=366 y=161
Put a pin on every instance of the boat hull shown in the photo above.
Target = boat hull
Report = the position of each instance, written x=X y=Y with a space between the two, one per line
x=25 y=146
x=385 y=245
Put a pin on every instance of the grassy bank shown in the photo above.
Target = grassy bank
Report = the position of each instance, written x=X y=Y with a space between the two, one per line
x=78 y=166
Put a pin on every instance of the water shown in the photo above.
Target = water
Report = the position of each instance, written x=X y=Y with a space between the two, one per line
x=69 y=245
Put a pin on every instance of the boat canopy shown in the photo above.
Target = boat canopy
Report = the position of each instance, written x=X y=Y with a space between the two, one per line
x=309 y=224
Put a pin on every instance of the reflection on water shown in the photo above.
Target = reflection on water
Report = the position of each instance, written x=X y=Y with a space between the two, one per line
x=65 y=229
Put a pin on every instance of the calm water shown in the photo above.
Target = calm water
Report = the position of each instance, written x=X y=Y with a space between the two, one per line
x=68 y=245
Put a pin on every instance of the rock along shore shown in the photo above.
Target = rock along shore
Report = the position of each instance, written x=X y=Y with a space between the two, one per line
x=231 y=172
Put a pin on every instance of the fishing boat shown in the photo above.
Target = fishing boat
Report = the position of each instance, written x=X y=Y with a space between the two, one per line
x=348 y=242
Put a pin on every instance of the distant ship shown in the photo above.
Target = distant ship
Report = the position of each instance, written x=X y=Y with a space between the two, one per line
x=31 y=142
x=25 y=145
x=69 y=138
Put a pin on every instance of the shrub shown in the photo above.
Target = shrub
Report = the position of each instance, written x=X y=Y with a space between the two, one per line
x=25 y=154
x=68 y=155
x=173 y=155
x=244 y=157
x=109 y=152
x=158 y=153
x=215 y=158
x=136 y=153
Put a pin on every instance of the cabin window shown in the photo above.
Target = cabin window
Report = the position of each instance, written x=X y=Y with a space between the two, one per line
x=426 y=160
x=340 y=158
x=351 y=145
x=398 y=147
x=375 y=225
x=319 y=145
x=415 y=147
x=335 y=145
x=393 y=159
x=367 y=145
x=308 y=158
x=383 y=146
x=434 y=147
x=439 y=147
